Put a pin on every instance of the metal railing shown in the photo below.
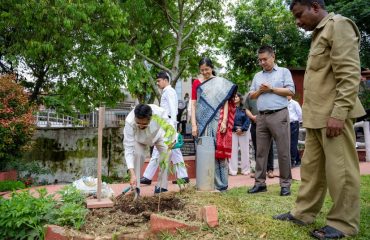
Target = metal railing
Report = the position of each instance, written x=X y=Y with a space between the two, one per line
x=49 y=118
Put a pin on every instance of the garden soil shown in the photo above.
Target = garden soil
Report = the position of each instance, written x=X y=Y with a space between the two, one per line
x=129 y=216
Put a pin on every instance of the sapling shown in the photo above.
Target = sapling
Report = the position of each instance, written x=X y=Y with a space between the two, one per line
x=170 y=140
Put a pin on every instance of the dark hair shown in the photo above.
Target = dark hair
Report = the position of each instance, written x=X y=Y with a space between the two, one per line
x=163 y=75
x=143 y=111
x=206 y=61
x=308 y=3
x=241 y=99
x=267 y=49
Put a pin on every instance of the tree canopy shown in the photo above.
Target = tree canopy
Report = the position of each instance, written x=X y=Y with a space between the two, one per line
x=170 y=36
x=263 y=22
x=359 y=12
x=69 y=51
x=79 y=54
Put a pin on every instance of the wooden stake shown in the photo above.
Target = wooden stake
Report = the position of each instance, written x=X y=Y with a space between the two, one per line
x=99 y=203
x=100 y=146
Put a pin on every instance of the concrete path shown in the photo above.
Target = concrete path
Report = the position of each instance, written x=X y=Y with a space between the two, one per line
x=234 y=181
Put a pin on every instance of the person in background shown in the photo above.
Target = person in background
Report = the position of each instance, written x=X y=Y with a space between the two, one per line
x=251 y=110
x=271 y=87
x=240 y=138
x=168 y=102
x=330 y=103
x=213 y=113
x=140 y=132
x=295 y=116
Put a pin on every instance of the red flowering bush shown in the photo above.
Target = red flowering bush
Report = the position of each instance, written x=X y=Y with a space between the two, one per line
x=16 y=119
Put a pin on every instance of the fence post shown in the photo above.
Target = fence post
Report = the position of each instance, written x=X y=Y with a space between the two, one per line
x=48 y=124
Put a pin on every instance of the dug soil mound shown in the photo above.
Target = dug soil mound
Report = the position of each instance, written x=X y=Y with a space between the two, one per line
x=131 y=216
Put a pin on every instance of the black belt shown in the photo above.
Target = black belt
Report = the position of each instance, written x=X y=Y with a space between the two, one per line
x=271 y=111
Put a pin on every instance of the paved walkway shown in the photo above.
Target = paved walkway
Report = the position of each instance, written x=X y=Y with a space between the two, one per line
x=234 y=181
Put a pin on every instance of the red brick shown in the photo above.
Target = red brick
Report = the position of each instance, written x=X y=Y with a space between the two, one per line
x=103 y=203
x=361 y=155
x=8 y=175
x=54 y=232
x=209 y=215
x=134 y=236
x=164 y=224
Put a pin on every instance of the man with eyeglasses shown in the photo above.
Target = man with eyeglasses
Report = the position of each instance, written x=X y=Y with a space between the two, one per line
x=169 y=102
x=140 y=132
x=271 y=87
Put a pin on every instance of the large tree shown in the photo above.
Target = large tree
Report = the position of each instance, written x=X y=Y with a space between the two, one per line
x=170 y=36
x=359 y=12
x=70 y=51
x=263 y=22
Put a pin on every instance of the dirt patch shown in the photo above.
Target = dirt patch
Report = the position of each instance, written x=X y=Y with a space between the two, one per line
x=130 y=216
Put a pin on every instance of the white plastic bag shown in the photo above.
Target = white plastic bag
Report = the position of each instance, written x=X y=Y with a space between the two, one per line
x=89 y=185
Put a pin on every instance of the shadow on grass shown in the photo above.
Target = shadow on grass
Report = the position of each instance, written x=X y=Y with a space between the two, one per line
x=246 y=216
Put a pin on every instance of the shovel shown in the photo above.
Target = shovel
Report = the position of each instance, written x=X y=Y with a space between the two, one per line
x=125 y=190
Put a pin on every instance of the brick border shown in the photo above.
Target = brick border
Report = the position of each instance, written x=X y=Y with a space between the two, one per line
x=157 y=224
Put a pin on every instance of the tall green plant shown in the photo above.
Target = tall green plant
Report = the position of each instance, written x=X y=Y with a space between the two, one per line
x=16 y=119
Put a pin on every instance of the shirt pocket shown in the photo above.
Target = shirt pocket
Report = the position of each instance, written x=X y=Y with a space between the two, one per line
x=317 y=59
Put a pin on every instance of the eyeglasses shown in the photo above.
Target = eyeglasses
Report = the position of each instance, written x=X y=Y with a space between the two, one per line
x=263 y=60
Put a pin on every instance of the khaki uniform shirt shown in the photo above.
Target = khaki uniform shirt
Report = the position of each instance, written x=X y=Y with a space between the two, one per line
x=332 y=75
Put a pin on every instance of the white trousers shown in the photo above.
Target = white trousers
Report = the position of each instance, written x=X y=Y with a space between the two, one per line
x=139 y=161
x=176 y=159
x=243 y=142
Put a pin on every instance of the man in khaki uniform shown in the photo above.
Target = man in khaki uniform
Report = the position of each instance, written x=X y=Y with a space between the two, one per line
x=330 y=104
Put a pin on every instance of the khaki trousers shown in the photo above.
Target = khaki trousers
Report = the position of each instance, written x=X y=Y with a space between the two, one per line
x=277 y=126
x=330 y=163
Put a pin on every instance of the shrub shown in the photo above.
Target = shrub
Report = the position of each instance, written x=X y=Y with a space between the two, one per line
x=23 y=216
x=16 y=119
x=11 y=185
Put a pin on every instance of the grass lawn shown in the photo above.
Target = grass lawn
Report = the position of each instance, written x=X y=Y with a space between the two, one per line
x=246 y=216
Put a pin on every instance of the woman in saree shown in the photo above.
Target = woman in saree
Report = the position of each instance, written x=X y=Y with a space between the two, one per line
x=213 y=112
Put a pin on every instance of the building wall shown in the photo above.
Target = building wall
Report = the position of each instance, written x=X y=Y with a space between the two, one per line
x=70 y=153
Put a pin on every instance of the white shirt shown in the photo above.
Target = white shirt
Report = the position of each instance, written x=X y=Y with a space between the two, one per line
x=152 y=135
x=295 y=111
x=170 y=103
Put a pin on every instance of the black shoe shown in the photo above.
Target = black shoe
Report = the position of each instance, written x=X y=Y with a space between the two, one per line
x=327 y=232
x=146 y=181
x=285 y=191
x=184 y=180
x=288 y=217
x=158 y=190
x=257 y=189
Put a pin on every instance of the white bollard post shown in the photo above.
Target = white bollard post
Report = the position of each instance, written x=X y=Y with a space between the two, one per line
x=366 y=128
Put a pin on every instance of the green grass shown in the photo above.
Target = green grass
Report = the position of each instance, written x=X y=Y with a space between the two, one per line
x=246 y=216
